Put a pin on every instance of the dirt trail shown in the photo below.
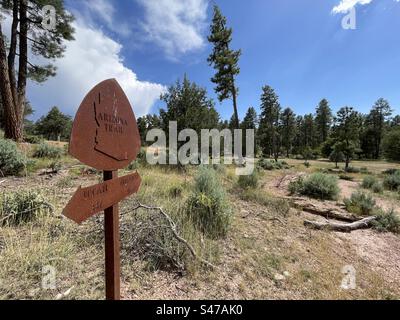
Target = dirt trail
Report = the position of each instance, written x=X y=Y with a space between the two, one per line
x=379 y=251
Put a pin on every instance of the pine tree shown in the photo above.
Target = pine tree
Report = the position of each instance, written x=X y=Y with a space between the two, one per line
x=376 y=122
x=249 y=122
x=323 y=120
x=27 y=32
x=224 y=60
x=347 y=132
x=288 y=125
x=269 y=122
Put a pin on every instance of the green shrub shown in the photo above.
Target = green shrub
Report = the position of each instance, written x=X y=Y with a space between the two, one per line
x=387 y=222
x=207 y=205
x=249 y=181
x=316 y=185
x=364 y=170
x=377 y=187
x=353 y=170
x=45 y=150
x=307 y=164
x=12 y=161
x=265 y=164
x=346 y=177
x=368 y=182
x=392 y=181
x=33 y=139
x=55 y=166
x=133 y=165
x=360 y=203
x=391 y=171
x=21 y=206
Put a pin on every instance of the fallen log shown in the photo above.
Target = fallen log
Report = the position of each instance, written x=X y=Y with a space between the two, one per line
x=343 y=227
x=328 y=213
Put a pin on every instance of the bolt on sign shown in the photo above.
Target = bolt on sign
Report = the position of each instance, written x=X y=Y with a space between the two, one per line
x=105 y=136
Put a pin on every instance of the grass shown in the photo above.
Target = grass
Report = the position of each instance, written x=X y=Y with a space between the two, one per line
x=254 y=250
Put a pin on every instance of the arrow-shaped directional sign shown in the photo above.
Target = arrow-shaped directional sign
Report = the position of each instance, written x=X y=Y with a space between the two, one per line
x=105 y=136
x=88 y=201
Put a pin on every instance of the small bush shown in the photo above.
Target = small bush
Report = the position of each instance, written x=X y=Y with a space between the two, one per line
x=392 y=181
x=346 y=177
x=33 y=139
x=12 y=161
x=45 y=150
x=368 y=182
x=387 y=222
x=360 y=203
x=133 y=165
x=249 y=181
x=207 y=206
x=21 y=206
x=266 y=164
x=353 y=170
x=272 y=164
x=377 y=187
x=55 y=166
x=391 y=171
x=307 y=164
x=364 y=170
x=316 y=185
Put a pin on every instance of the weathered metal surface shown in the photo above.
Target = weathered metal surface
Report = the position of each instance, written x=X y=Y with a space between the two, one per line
x=112 y=253
x=90 y=200
x=104 y=134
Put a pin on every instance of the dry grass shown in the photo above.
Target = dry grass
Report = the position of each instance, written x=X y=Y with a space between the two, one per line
x=261 y=247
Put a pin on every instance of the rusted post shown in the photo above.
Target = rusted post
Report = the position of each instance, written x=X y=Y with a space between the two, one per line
x=111 y=236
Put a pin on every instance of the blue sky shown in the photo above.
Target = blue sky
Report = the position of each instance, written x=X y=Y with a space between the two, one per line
x=297 y=46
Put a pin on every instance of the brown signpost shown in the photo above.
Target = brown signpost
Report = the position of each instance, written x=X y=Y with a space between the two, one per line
x=105 y=136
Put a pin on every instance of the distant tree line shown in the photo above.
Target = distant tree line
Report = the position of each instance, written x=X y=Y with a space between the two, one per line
x=343 y=136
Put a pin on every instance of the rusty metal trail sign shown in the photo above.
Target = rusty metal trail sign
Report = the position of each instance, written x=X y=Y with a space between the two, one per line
x=105 y=136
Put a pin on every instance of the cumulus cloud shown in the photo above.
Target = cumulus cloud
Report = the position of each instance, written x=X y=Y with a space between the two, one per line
x=346 y=5
x=105 y=12
x=175 y=25
x=91 y=58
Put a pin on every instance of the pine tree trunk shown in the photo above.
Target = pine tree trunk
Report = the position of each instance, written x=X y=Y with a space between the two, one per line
x=11 y=129
x=13 y=99
x=235 y=110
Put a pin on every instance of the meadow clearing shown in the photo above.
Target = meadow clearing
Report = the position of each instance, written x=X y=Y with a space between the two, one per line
x=266 y=251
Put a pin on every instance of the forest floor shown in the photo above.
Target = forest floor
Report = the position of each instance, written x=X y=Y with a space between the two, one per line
x=267 y=254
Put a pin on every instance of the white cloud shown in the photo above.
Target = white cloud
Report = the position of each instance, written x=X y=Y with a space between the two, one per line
x=175 y=25
x=346 y=5
x=91 y=58
x=103 y=11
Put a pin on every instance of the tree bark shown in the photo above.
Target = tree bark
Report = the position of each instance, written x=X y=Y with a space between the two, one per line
x=235 y=110
x=13 y=92
x=10 y=116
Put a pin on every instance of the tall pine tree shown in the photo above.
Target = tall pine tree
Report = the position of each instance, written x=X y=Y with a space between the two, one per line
x=323 y=120
x=288 y=129
x=269 y=122
x=28 y=36
x=224 y=60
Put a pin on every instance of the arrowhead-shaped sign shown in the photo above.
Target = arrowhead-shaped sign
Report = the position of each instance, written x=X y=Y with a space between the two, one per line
x=104 y=134
x=90 y=200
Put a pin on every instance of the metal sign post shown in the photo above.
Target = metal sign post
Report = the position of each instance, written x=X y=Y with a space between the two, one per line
x=105 y=136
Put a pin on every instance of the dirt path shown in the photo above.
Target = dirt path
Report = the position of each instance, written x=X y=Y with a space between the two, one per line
x=379 y=251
